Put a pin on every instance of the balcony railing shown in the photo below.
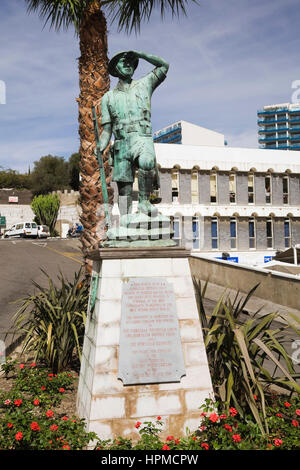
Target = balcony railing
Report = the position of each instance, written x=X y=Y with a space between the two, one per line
x=272 y=121
x=261 y=112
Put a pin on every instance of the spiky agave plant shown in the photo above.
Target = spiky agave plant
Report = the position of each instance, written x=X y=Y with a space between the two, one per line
x=240 y=352
x=52 y=321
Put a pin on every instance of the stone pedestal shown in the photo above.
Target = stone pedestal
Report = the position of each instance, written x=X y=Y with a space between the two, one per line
x=110 y=408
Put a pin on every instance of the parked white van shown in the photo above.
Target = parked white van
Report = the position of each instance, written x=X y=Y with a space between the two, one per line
x=23 y=229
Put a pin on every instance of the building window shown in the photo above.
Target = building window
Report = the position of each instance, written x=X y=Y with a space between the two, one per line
x=285 y=187
x=233 y=233
x=268 y=189
x=175 y=185
x=287 y=233
x=177 y=229
x=232 y=188
x=250 y=189
x=194 y=187
x=195 y=222
x=213 y=187
x=214 y=233
x=269 y=233
x=252 y=233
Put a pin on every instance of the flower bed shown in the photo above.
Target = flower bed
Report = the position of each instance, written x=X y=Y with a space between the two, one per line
x=33 y=416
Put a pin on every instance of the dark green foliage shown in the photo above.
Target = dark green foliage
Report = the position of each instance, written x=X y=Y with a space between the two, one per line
x=46 y=210
x=13 y=179
x=53 y=321
x=50 y=173
x=74 y=170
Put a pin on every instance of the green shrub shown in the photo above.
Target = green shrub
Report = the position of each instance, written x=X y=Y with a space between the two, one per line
x=27 y=418
x=46 y=208
x=53 y=321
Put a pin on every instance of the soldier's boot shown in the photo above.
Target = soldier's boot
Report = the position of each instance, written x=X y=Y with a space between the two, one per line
x=125 y=204
x=145 y=181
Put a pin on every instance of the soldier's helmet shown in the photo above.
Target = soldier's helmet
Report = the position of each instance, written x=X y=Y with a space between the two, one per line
x=115 y=59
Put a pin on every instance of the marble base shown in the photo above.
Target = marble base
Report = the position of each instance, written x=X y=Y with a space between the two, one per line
x=112 y=409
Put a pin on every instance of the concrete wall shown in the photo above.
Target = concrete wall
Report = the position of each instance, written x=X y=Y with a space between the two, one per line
x=242 y=188
x=185 y=194
x=223 y=188
x=204 y=187
x=278 y=288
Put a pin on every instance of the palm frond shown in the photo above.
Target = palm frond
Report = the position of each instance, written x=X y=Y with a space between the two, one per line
x=130 y=14
x=60 y=14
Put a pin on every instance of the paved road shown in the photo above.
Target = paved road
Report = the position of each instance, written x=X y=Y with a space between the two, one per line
x=21 y=263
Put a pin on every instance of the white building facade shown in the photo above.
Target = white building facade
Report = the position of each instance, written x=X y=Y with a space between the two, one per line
x=243 y=202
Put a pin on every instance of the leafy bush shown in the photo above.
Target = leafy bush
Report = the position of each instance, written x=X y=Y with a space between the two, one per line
x=27 y=418
x=53 y=321
x=237 y=353
x=46 y=209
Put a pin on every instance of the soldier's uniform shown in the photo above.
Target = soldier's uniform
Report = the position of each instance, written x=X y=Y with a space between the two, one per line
x=128 y=110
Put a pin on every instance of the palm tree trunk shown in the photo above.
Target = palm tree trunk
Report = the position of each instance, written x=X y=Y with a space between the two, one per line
x=94 y=82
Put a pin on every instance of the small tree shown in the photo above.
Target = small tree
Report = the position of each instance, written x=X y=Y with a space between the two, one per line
x=50 y=173
x=46 y=210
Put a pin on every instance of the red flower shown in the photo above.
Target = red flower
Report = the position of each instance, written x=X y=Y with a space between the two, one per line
x=165 y=447
x=295 y=423
x=66 y=447
x=233 y=411
x=33 y=364
x=50 y=375
x=43 y=388
x=229 y=428
x=213 y=417
x=255 y=397
x=19 y=436
x=65 y=418
x=223 y=416
x=49 y=413
x=10 y=425
x=18 y=402
x=194 y=438
x=54 y=427
x=278 y=442
x=205 y=445
x=236 y=438
x=279 y=415
x=34 y=426
x=176 y=441
x=137 y=425
x=170 y=438
x=297 y=412
x=159 y=418
x=203 y=413
x=287 y=404
x=21 y=366
x=36 y=402
x=61 y=390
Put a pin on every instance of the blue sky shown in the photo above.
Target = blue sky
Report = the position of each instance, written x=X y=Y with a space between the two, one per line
x=227 y=59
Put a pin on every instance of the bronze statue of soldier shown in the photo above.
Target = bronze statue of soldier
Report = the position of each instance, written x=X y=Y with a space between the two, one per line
x=126 y=113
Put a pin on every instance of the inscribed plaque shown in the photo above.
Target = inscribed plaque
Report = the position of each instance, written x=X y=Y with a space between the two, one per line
x=150 y=344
